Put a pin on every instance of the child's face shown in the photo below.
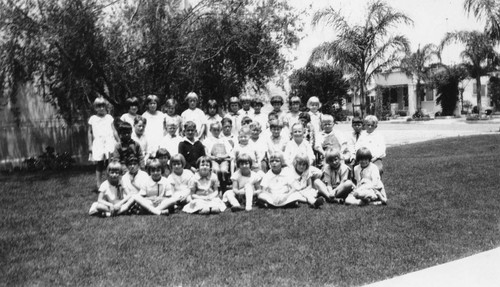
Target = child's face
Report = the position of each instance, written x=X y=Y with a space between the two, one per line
x=370 y=126
x=125 y=136
x=276 y=106
x=133 y=110
x=294 y=106
x=333 y=162
x=271 y=117
x=226 y=129
x=244 y=167
x=243 y=139
x=212 y=111
x=275 y=163
x=177 y=167
x=300 y=167
x=357 y=127
x=245 y=104
x=298 y=134
x=139 y=128
x=215 y=130
x=234 y=107
x=314 y=107
x=100 y=110
x=257 y=108
x=364 y=163
x=152 y=106
x=204 y=168
x=163 y=160
x=327 y=126
x=171 y=129
x=255 y=133
x=276 y=132
x=133 y=167
x=170 y=110
x=155 y=173
x=114 y=175
x=192 y=103
x=190 y=132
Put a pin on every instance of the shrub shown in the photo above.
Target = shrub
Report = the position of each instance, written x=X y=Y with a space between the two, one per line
x=49 y=160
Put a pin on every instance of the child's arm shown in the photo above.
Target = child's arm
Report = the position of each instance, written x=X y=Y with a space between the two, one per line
x=90 y=138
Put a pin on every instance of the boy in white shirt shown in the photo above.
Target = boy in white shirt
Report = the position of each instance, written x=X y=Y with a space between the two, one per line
x=171 y=140
x=298 y=145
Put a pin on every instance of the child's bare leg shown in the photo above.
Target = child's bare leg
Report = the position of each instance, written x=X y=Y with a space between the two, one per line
x=294 y=197
x=343 y=190
x=166 y=204
x=146 y=204
x=231 y=197
x=98 y=177
x=351 y=200
x=321 y=188
x=249 y=191
x=126 y=206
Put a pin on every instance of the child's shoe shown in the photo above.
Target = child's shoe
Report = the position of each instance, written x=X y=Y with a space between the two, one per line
x=319 y=202
x=237 y=208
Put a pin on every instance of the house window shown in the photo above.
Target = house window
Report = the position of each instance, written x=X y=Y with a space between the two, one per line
x=429 y=97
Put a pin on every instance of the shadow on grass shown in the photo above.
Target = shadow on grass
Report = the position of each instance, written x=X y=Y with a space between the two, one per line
x=443 y=205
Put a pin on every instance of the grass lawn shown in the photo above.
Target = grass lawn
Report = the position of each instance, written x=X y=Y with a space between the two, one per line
x=443 y=205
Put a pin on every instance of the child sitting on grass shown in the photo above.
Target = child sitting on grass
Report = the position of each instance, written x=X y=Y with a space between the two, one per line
x=369 y=187
x=276 y=185
x=245 y=185
x=163 y=157
x=303 y=176
x=134 y=179
x=336 y=176
x=155 y=197
x=204 y=190
x=180 y=180
x=374 y=141
x=111 y=199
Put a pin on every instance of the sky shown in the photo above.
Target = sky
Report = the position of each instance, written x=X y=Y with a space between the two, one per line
x=432 y=19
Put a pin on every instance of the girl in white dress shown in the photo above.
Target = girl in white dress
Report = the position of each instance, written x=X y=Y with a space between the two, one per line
x=154 y=130
x=102 y=137
x=204 y=190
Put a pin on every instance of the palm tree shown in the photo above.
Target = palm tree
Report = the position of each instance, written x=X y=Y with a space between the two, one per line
x=479 y=57
x=490 y=11
x=365 y=49
x=420 y=64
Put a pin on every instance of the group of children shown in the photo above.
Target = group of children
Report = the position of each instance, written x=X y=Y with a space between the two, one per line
x=161 y=162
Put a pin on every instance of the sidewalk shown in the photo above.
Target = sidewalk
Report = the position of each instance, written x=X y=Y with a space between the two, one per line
x=478 y=270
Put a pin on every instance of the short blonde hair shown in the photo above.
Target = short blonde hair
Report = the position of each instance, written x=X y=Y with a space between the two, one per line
x=301 y=158
x=279 y=155
x=191 y=95
x=313 y=100
x=371 y=118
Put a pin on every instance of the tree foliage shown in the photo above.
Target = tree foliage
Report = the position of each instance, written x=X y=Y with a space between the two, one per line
x=77 y=50
x=364 y=49
x=489 y=10
x=494 y=91
x=446 y=83
x=325 y=82
x=479 y=56
x=420 y=65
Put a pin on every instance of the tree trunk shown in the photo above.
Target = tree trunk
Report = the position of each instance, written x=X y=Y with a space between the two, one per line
x=478 y=94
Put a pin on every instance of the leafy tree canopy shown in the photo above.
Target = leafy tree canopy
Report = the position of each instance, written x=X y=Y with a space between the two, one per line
x=446 y=83
x=77 y=50
x=325 y=82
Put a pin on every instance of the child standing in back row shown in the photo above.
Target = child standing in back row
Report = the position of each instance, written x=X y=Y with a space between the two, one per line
x=313 y=104
x=171 y=116
x=154 y=130
x=102 y=138
x=195 y=115
x=132 y=107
